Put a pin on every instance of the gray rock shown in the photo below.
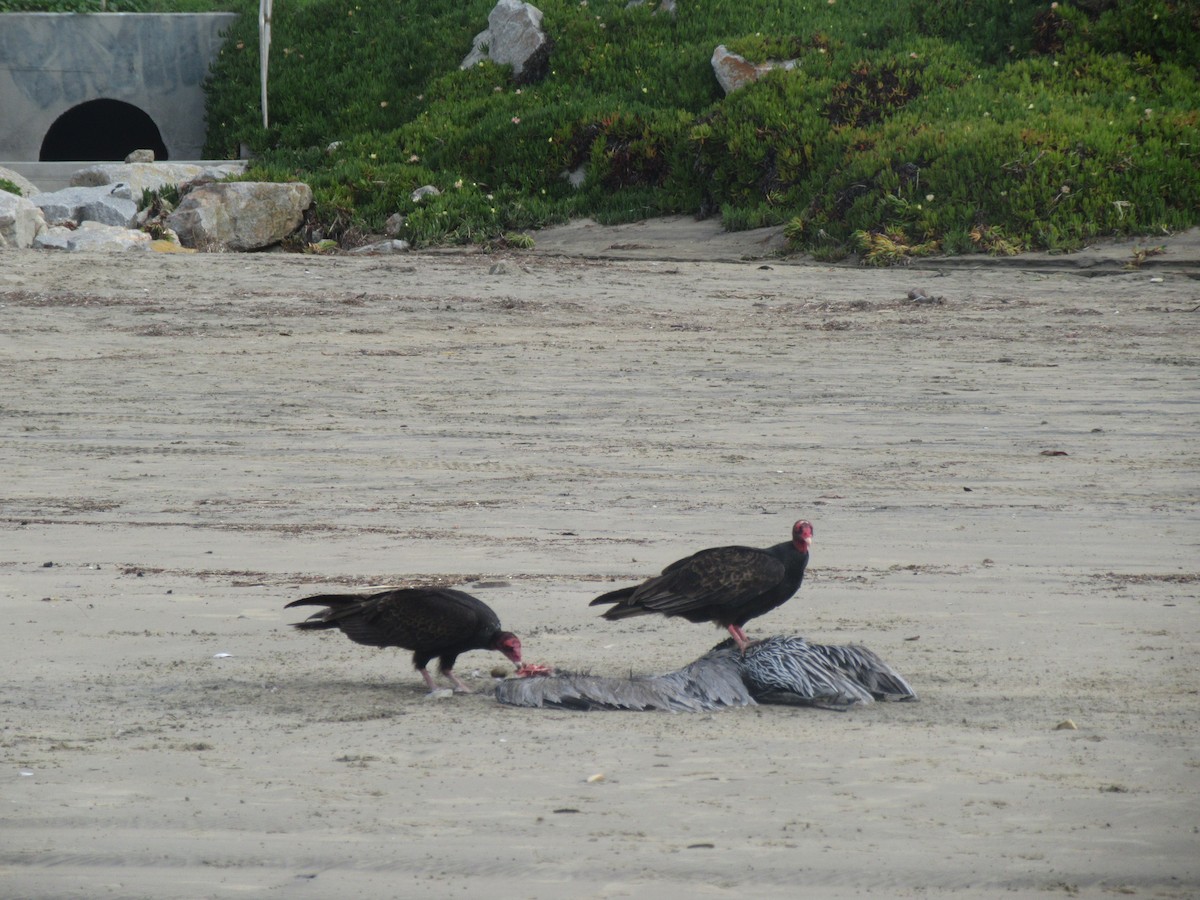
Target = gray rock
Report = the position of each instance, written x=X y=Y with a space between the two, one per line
x=140 y=156
x=240 y=215
x=87 y=204
x=20 y=221
x=667 y=6
x=53 y=238
x=28 y=188
x=426 y=190
x=394 y=225
x=380 y=248
x=152 y=176
x=514 y=37
x=94 y=236
x=734 y=72
x=576 y=177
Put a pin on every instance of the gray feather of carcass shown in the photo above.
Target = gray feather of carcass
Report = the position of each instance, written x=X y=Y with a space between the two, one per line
x=775 y=670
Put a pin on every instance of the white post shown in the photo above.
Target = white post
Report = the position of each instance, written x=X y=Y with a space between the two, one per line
x=264 y=48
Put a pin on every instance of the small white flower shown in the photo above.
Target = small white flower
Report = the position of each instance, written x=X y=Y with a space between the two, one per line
x=929 y=198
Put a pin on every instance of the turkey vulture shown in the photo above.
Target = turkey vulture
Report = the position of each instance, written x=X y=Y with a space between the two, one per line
x=429 y=621
x=725 y=585
x=786 y=670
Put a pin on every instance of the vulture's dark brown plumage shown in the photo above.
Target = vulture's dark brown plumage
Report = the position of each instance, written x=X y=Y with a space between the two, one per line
x=724 y=585
x=430 y=621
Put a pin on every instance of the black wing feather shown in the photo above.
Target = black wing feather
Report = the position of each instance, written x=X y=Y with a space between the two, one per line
x=428 y=620
x=702 y=585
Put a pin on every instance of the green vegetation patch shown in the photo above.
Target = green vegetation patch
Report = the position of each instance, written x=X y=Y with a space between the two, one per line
x=939 y=126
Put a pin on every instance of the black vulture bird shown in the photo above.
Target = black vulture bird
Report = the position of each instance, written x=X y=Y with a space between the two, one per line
x=725 y=585
x=429 y=621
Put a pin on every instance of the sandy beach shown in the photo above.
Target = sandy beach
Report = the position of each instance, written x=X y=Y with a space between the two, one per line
x=1003 y=476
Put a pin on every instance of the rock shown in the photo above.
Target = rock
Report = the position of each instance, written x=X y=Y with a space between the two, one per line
x=53 y=238
x=27 y=187
x=240 y=215
x=380 y=248
x=93 y=236
x=87 y=204
x=667 y=6
x=426 y=190
x=577 y=177
x=395 y=224
x=735 y=72
x=140 y=156
x=21 y=220
x=152 y=176
x=514 y=37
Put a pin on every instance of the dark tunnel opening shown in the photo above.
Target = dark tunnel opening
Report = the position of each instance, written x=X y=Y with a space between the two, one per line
x=101 y=131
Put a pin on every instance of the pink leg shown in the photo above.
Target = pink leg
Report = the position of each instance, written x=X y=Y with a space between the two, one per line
x=428 y=679
x=739 y=637
x=459 y=687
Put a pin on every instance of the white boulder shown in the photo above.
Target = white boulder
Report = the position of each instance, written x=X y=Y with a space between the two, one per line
x=240 y=215
x=20 y=221
x=87 y=204
x=152 y=176
x=93 y=236
x=734 y=72
x=514 y=37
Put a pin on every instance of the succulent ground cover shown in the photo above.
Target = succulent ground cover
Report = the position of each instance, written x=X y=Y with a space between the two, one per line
x=919 y=127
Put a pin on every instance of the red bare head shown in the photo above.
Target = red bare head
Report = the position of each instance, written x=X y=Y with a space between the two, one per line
x=802 y=535
x=508 y=644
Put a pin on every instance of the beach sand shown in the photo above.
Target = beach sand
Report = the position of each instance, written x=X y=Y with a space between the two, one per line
x=1003 y=476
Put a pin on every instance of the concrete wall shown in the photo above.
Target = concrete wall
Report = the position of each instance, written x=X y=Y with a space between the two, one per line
x=52 y=62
